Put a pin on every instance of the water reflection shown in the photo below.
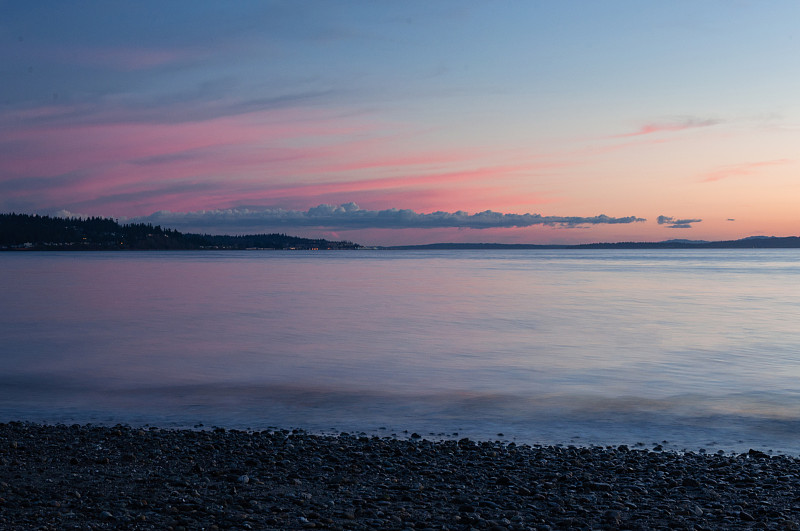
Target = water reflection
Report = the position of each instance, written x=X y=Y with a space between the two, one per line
x=532 y=340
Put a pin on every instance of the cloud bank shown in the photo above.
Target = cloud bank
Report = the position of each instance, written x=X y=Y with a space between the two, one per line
x=350 y=216
x=673 y=223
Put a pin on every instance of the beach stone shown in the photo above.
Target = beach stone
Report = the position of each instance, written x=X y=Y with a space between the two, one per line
x=695 y=510
x=194 y=479
x=690 y=482
x=747 y=517
x=757 y=454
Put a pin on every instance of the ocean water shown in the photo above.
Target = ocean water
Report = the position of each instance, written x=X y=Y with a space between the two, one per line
x=698 y=348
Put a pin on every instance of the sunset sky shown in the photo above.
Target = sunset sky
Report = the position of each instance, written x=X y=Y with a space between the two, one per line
x=390 y=122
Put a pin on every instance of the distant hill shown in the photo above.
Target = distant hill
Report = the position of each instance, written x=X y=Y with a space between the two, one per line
x=752 y=242
x=33 y=232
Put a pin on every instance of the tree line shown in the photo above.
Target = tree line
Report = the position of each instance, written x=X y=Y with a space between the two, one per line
x=31 y=231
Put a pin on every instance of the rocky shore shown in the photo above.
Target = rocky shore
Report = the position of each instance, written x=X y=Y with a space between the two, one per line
x=88 y=477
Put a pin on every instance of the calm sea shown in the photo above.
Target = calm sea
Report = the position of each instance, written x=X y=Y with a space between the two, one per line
x=697 y=348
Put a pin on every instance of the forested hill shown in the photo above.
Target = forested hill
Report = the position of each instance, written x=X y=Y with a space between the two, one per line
x=33 y=232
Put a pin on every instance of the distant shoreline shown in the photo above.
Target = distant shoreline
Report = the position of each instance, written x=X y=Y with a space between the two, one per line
x=721 y=245
x=24 y=232
x=757 y=242
x=77 y=249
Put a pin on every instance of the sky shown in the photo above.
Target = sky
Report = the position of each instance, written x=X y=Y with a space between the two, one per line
x=385 y=122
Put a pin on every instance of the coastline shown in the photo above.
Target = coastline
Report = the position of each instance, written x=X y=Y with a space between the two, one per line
x=148 y=478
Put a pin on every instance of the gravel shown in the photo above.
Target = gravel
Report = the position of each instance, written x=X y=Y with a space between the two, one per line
x=90 y=477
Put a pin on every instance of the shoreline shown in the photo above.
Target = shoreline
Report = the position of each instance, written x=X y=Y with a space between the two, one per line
x=121 y=477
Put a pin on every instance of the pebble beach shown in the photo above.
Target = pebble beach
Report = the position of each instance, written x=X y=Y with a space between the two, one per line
x=92 y=477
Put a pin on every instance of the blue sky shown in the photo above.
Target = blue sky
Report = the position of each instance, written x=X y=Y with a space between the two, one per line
x=225 y=117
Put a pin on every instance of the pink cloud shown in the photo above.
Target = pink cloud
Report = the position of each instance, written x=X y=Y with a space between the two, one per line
x=471 y=197
x=426 y=179
x=122 y=59
x=659 y=127
x=743 y=169
x=476 y=189
x=125 y=150
x=393 y=161
x=297 y=157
